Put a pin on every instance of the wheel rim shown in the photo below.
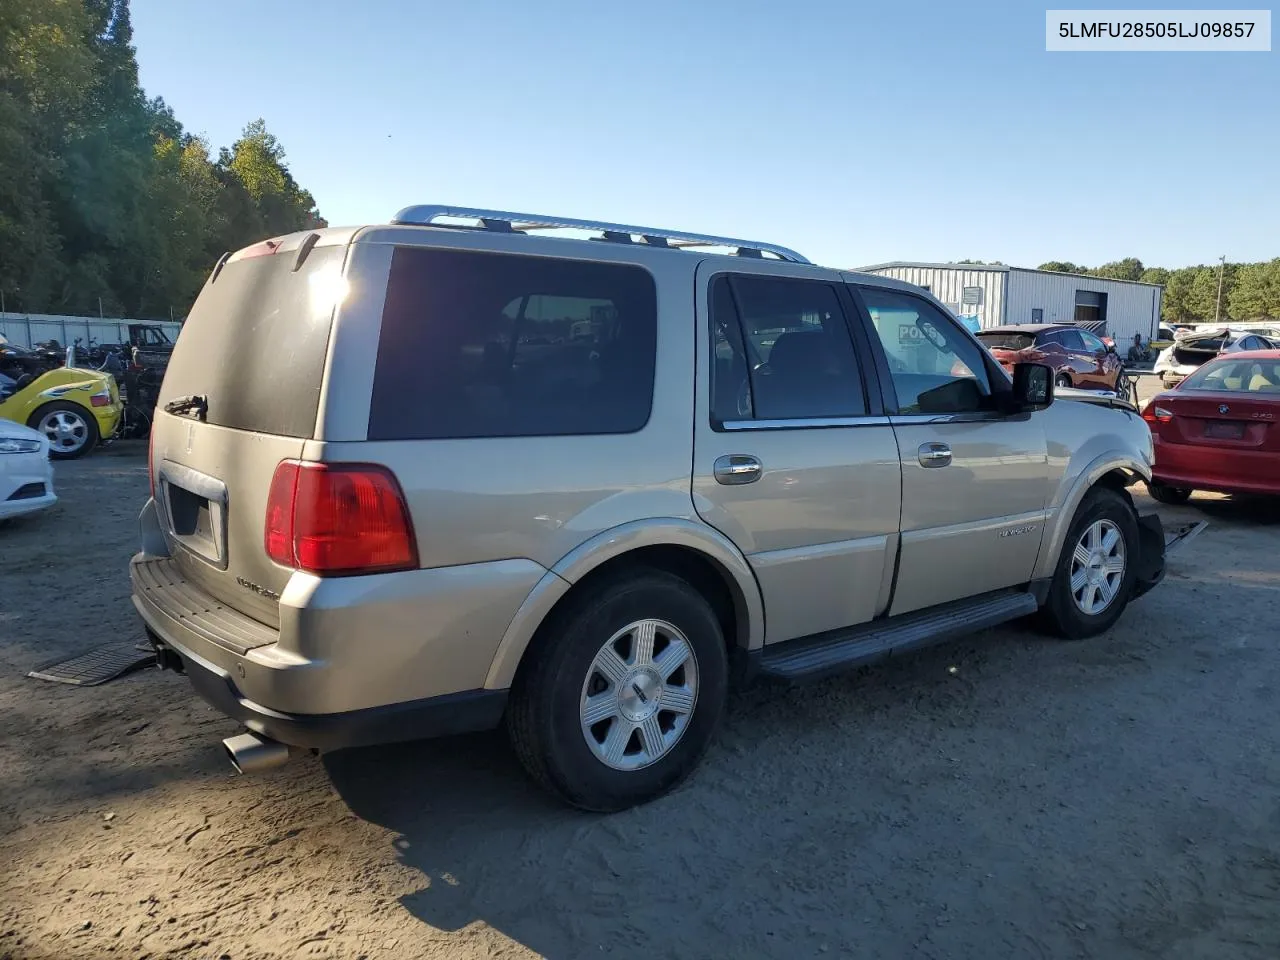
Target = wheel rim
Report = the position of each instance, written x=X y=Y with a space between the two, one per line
x=1097 y=567
x=639 y=695
x=66 y=430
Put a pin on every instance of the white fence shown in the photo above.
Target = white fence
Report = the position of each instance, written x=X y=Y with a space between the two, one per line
x=29 y=329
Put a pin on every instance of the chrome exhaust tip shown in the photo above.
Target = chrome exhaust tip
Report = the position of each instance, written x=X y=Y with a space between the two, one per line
x=250 y=753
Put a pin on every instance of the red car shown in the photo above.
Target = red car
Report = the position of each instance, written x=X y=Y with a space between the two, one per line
x=1078 y=357
x=1219 y=429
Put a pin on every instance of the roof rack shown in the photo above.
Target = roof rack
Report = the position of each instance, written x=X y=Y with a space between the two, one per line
x=500 y=221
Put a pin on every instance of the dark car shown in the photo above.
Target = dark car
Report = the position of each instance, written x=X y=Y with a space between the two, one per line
x=1078 y=357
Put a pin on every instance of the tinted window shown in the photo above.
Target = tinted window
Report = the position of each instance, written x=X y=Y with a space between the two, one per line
x=493 y=345
x=1091 y=343
x=255 y=342
x=781 y=351
x=935 y=367
x=1006 y=341
x=1070 y=339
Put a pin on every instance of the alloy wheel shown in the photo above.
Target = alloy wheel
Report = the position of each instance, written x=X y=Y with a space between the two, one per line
x=1097 y=567
x=639 y=695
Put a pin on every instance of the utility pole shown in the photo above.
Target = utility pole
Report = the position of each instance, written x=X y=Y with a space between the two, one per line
x=1217 y=313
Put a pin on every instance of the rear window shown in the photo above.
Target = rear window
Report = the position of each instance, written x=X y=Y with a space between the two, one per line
x=1006 y=341
x=497 y=345
x=1236 y=376
x=254 y=344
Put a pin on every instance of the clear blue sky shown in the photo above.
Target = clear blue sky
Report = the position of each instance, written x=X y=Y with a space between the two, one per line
x=852 y=132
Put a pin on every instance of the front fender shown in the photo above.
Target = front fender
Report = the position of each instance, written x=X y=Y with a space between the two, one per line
x=1071 y=492
x=613 y=543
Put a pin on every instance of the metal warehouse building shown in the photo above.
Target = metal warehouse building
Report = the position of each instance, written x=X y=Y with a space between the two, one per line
x=998 y=295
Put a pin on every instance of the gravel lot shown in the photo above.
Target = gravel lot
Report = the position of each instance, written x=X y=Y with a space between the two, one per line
x=1004 y=796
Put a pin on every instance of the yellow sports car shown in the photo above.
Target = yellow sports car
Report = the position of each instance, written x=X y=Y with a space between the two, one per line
x=73 y=408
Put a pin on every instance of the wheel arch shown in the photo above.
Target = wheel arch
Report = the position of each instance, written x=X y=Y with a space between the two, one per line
x=1115 y=471
x=697 y=553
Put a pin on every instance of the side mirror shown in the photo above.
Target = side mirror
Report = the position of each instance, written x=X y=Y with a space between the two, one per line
x=1032 y=386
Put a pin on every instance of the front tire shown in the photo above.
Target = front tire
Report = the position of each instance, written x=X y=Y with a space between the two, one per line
x=1094 y=578
x=1174 y=496
x=70 y=429
x=1062 y=380
x=622 y=693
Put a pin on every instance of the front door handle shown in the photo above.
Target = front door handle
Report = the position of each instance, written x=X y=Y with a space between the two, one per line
x=736 y=468
x=934 y=455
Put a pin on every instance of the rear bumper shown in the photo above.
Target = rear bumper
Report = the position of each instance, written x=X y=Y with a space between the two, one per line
x=1151 y=560
x=1217 y=469
x=464 y=712
x=108 y=418
x=354 y=660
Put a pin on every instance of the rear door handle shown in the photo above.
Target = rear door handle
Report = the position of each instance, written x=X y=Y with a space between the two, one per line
x=736 y=468
x=934 y=455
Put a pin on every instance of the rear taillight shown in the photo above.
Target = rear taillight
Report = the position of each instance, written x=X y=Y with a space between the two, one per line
x=151 y=462
x=1156 y=414
x=332 y=519
x=101 y=399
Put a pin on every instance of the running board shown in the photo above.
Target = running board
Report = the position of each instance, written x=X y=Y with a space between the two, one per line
x=828 y=653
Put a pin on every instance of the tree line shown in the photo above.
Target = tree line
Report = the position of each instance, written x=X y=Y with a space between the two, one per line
x=106 y=202
x=1250 y=291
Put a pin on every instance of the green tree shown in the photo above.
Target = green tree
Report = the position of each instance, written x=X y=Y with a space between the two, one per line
x=1256 y=293
x=103 y=196
x=1130 y=268
x=1061 y=266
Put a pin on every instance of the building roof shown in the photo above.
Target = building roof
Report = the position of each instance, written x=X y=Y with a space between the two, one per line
x=995 y=268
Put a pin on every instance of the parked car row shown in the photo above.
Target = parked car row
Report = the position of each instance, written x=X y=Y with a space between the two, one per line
x=1193 y=346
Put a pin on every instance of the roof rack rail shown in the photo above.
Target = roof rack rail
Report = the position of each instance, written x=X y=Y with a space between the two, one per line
x=500 y=221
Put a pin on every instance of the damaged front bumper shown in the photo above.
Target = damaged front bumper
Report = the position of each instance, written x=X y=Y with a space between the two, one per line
x=1155 y=546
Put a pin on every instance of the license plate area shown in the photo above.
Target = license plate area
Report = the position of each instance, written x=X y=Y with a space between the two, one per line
x=1224 y=431
x=195 y=510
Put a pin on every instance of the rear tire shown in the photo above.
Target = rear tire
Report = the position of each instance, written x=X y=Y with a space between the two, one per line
x=72 y=431
x=1093 y=581
x=1062 y=380
x=651 y=726
x=1174 y=496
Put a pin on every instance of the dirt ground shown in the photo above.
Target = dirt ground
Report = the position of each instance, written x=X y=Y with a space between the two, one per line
x=1003 y=796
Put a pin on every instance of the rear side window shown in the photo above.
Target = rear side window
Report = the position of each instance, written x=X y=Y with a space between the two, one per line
x=782 y=351
x=1007 y=341
x=1071 y=339
x=496 y=345
x=255 y=341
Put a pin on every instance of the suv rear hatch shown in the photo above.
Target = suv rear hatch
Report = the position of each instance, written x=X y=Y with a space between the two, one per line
x=240 y=395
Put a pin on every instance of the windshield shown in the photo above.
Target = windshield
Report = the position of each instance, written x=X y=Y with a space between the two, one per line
x=1236 y=376
x=996 y=340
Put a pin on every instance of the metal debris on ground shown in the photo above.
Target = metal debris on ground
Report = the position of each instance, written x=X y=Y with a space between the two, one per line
x=98 y=665
x=1178 y=537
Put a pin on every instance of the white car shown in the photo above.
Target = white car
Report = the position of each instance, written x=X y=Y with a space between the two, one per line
x=26 y=475
x=1194 y=347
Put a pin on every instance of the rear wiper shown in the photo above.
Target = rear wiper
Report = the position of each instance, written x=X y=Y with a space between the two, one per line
x=193 y=404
